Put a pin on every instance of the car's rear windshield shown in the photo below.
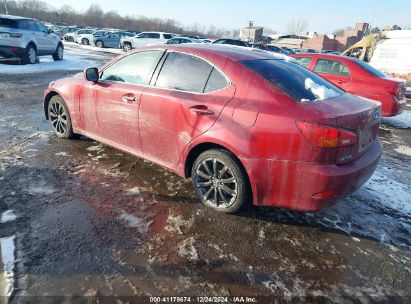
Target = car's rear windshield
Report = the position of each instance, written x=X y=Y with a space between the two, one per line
x=370 y=69
x=295 y=80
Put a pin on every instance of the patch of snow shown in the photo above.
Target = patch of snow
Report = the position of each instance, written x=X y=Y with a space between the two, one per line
x=320 y=91
x=94 y=48
x=402 y=121
x=41 y=188
x=95 y=148
x=8 y=216
x=69 y=63
x=7 y=257
x=133 y=221
x=404 y=150
x=187 y=250
x=175 y=223
x=388 y=192
x=62 y=154
x=133 y=191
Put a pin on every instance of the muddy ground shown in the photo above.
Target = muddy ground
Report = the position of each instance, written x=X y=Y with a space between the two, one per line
x=93 y=221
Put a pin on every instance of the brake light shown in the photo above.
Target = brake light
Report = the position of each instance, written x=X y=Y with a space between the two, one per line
x=323 y=136
x=398 y=91
x=16 y=35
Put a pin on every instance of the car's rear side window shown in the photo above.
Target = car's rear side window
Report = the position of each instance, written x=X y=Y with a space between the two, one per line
x=184 y=72
x=334 y=67
x=293 y=79
x=216 y=81
x=10 y=23
x=304 y=61
x=167 y=36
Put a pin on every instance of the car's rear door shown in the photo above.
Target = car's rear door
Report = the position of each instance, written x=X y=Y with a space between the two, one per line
x=109 y=108
x=186 y=98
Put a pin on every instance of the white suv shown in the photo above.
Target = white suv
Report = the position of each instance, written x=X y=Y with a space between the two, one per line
x=26 y=39
x=145 y=39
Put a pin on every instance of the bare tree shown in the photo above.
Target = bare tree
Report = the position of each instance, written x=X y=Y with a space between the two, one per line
x=297 y=26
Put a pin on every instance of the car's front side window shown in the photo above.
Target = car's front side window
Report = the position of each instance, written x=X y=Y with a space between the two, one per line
x=133 y=69
x=184 y=72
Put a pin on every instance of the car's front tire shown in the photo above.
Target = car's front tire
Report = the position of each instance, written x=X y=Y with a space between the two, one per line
x=99 y=44
x=30 y=55
x=85 y=41
x=59 y=117
x=127 y=46
x=59 y=54
x=220 y=181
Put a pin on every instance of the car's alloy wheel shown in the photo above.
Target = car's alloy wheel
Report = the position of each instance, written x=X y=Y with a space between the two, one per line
x=220 y=181
x=59 y=54
x=31 y=55
x=127 y=47
x=99 y=44
x=85 y=41
x=59 y=117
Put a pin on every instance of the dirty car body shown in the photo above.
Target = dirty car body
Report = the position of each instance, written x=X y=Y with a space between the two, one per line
x=286 y=147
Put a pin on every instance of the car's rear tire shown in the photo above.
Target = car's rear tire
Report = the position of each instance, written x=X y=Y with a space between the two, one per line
x=59 y=54
x=127 y=47
x=59 y=117
x=99 y=44
x=85 y=41
x=220 y=181
x=30 y=55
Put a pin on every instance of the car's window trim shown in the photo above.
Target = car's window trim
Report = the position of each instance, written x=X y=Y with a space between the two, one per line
x=229 y=82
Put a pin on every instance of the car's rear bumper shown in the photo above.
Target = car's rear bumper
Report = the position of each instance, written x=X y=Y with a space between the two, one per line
x=308 y=186
x=392 y=106
x=11 y=51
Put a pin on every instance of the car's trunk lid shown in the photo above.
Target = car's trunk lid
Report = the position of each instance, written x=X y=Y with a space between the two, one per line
x=358 y=115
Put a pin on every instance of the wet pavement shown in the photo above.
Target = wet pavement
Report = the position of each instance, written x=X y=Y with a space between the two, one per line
x=93 y=221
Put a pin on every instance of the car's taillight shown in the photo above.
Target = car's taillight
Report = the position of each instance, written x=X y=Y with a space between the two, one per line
x=398 y=91
x=16 y=35
x=323 y=136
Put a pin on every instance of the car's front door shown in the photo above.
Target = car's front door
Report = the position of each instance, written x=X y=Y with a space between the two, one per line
x=184 y=101
x=335 y=72
x=109 y=108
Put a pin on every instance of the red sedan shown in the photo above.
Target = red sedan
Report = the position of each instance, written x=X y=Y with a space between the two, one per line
x=247 y=126
x=359 y=78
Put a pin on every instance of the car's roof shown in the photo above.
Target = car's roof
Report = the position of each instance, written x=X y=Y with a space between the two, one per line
x=14 y=17
x=326 y=56
x=236 y=53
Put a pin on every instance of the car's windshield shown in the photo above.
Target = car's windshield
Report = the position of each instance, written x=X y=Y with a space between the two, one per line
x=370 y=69
x=295 y=80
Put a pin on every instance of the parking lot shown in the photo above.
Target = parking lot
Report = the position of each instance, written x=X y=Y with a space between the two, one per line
x=80 y=218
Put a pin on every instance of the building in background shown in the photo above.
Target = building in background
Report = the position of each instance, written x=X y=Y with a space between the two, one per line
x=338 y=43
x=252 y=34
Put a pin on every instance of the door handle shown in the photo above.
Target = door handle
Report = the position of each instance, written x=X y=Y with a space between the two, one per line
x=341 y=81
x=201 y=110
x=129 y=98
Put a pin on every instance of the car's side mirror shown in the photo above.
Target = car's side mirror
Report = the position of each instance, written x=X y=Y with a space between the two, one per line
x=50 y=31
x=91 y=74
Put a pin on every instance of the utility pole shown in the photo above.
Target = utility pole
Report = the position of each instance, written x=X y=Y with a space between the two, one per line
x=5 y=7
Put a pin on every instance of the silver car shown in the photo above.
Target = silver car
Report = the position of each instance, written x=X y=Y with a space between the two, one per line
x=26 y=39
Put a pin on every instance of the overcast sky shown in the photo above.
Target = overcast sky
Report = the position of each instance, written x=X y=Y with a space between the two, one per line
x=323 y=16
